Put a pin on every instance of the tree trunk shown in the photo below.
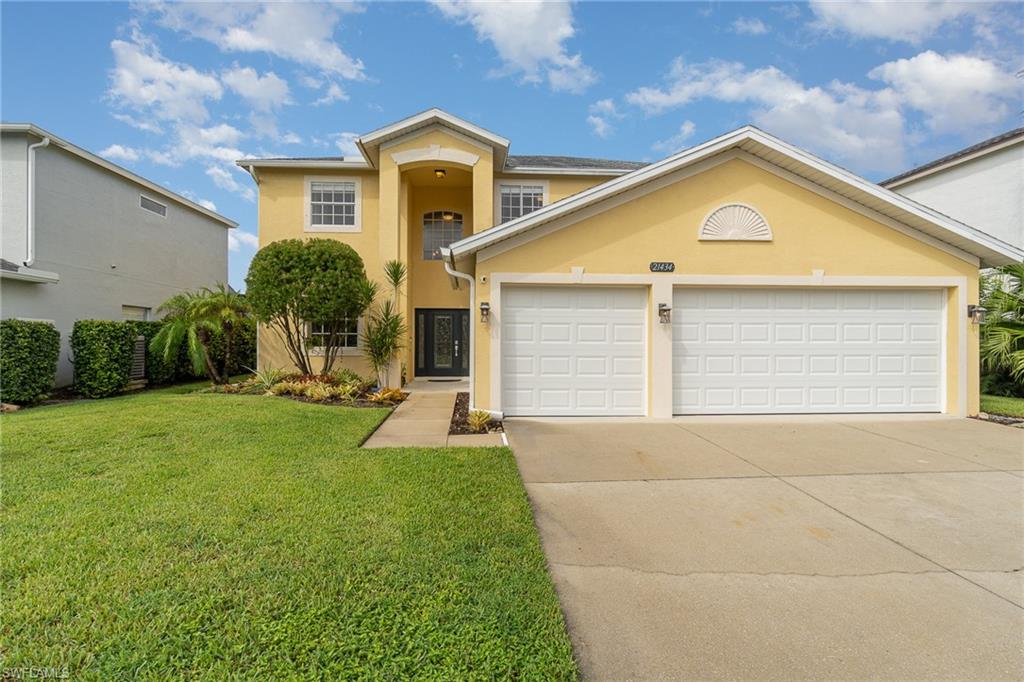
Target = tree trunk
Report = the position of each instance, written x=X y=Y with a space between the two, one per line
x=211 y=368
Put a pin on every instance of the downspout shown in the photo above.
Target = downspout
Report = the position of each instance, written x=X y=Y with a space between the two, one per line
x=450 y=269
x=30 y=233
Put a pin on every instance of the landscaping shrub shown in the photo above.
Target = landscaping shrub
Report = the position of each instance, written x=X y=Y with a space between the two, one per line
x=102 y=354
x=243 y=354
x=28 y=360
x=158 y=370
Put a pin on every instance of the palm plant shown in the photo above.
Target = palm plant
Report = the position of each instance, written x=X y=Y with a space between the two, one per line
x=1002 y=335
x=197 y=318
x=385 y=329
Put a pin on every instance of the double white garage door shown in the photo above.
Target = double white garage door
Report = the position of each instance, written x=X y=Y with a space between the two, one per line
x=577 y=351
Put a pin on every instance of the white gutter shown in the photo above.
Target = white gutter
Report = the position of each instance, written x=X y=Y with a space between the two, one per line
x=450 y=269
x=30 y=224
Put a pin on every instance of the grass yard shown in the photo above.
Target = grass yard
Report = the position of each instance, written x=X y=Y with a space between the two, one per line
x=177 y=534
x=995 y=404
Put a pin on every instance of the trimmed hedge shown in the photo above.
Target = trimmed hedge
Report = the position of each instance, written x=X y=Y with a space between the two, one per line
x=28 y=360
x=158 y=371
x=101 y=351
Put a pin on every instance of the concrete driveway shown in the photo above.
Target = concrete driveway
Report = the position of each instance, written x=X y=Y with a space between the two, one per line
x=783 y=548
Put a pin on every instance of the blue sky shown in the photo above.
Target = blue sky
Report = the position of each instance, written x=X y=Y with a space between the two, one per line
x=176 y=92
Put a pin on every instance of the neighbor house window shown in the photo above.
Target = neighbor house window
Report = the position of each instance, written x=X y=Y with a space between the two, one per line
x=332 y=205
x=135 y=313
x=518 y=200
x=440 y=228
x=348 y=333
x=153 y=206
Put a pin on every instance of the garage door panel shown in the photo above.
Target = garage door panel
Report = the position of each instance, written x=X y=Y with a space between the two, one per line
x=809 y=350
x=586 y=354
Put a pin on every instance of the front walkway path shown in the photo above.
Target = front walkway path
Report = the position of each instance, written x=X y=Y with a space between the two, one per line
x=423 y=419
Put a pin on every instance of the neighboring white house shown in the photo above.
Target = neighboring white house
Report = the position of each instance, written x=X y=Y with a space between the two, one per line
x=83 y=238
x=982 y=185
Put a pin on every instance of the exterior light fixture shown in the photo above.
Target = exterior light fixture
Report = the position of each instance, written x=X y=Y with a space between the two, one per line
x=977 y=313
x=485 y=311
x=664 y=313
x=439 y=173
x=447 y=216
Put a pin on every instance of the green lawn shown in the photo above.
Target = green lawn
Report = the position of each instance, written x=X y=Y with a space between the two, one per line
x=995 y=404
x=191 y=535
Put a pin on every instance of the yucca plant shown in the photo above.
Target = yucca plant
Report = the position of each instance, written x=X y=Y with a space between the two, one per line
x=385 y=329
x=1002 y=335
x=478 y=420
x=267 y=377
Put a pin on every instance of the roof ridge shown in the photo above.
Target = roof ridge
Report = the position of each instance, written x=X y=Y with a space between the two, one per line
x=966 y=151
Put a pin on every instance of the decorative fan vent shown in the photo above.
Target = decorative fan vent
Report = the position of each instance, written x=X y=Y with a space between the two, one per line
x=735 y=222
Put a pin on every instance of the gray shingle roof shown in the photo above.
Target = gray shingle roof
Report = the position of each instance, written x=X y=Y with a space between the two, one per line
x=991 y=142
x=570 y=162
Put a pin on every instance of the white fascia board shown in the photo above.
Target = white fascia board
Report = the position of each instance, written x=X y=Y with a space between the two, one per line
x=531 y=170
x=475 y=242
x=428 y=116
x=31 y=275
x=301 y=163
x=32 y=129
x=955 y=162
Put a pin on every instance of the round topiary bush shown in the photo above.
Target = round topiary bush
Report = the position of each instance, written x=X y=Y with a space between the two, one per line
x=28 y=360
x=101 y=351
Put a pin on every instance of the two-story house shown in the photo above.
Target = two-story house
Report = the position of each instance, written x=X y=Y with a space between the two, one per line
x=84 y=238
x=742 y=275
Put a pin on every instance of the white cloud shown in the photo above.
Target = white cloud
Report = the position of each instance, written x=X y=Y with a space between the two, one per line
x=119 y=152
x=290 y=138
x=909 y=22
x=346 y=143
x=955 y=94
x=749 y=26
x=207 y=204
x=529 y=37
x=602 y=112
x=265 y=93
x=148 y=126
x=334 y=93
x=225 y=179
x=143 y=80
x=678 y=140
x=237 y=238
x=302 y=32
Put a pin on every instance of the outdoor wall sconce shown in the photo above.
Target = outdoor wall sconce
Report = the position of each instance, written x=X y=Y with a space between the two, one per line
x=664 y=313
x=485 y=311
x=439 y=173
x=977 y=313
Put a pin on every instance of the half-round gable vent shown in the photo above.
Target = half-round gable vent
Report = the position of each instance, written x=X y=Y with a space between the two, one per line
x=735 y=222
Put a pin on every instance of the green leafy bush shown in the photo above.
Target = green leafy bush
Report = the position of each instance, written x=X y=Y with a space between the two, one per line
x=28 y=360
x=243 y=355
x=102 y=354
x=158 y=370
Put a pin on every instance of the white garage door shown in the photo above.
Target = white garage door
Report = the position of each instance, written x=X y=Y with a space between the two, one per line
x=573 y=351
x=752 y=351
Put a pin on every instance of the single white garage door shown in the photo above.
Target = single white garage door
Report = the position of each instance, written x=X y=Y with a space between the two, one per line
x=573 y=350
x=754 y=351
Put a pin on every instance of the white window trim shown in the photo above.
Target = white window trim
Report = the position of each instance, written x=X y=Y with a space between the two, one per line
x=307 y=213
x=357 y=349
x=148 y=309
x=498 y=184
x=149 y=198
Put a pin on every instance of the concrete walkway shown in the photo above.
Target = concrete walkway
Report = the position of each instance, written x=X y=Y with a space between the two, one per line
x=783 y=549
x=423 y=419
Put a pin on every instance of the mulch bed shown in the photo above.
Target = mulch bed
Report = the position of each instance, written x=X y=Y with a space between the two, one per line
x=358 y=402
x=459 y=425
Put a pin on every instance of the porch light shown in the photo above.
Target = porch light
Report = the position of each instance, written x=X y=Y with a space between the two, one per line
x=977 y=313
x=447 y=216
x=439 y=173
x=664 y=313
x=485 y=311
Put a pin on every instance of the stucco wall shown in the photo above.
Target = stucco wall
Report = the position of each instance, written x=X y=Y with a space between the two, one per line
x=811 y=233
x=107 y=250
x=986 y=193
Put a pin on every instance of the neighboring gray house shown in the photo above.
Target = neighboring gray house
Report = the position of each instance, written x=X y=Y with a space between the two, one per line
x=90 y=240
x=982 y=185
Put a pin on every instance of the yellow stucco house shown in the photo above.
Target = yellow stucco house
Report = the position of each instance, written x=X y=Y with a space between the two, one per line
x=740 y=276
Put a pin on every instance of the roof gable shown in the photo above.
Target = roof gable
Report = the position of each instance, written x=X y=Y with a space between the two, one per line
x=370 y=143
x=926 y=223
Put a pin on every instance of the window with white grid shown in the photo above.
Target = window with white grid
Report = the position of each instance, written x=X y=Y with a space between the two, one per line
x=440 y=228
x=518 y=200
x=348 y=333
x=333 y=205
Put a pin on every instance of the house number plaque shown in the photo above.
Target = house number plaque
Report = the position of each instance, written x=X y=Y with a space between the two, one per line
x=663 y=266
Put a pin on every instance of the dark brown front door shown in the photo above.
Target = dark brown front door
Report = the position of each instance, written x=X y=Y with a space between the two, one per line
x=442 y=342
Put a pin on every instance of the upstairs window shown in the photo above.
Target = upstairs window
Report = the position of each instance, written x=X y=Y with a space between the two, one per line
x=348 y=333
x=440 y=228
x=152 y=206
x=332 y=205
x=518 y=200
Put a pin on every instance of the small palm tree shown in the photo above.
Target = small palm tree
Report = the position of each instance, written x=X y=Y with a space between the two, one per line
x=1002 y=335
x=196 y=318
x=384 y=331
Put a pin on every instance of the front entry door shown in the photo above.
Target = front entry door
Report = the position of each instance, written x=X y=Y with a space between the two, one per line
x=442 y=342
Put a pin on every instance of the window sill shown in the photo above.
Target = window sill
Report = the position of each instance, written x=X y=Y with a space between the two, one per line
x=318 y=351
x=348 y=229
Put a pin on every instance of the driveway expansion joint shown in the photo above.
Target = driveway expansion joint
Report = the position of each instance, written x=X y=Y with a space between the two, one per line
x=765 y=574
